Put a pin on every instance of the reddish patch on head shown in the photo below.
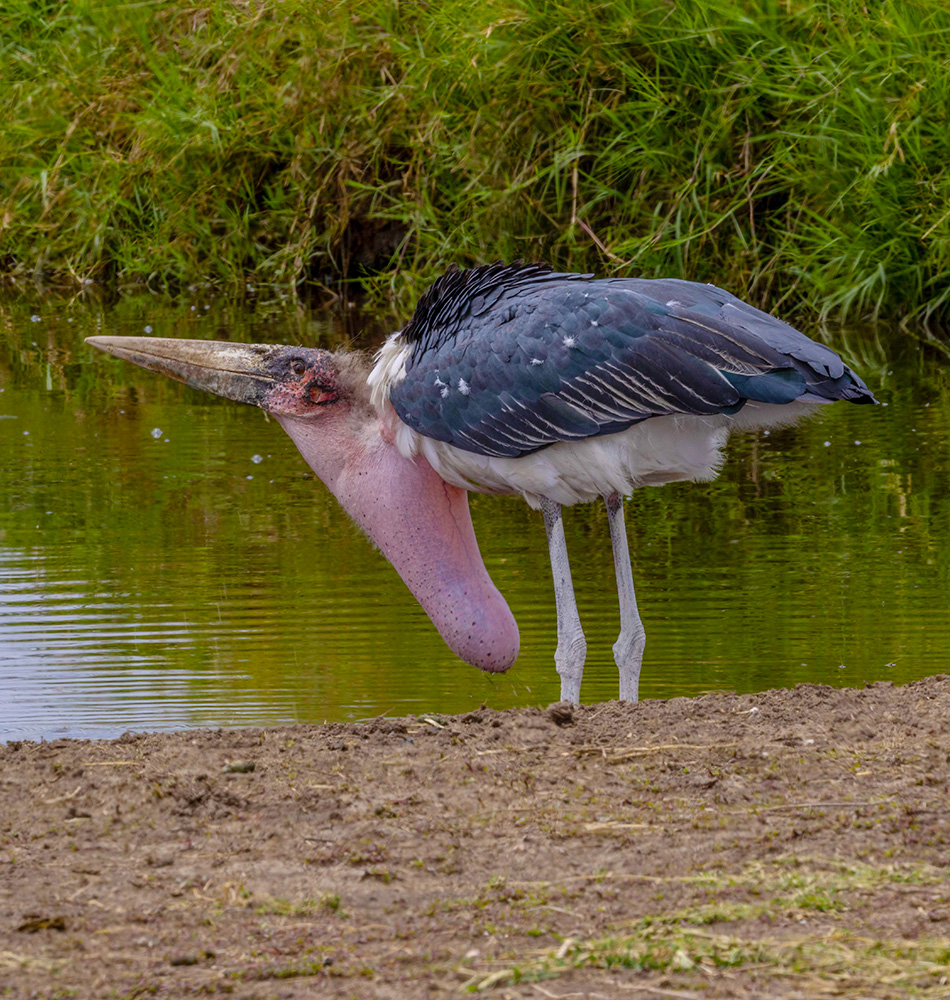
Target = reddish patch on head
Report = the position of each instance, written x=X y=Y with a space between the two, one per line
x=309 y=379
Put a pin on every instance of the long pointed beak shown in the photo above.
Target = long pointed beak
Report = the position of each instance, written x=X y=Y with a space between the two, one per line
x=235 y=371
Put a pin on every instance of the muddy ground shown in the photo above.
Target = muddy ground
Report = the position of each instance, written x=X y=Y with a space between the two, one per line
x=785 y=844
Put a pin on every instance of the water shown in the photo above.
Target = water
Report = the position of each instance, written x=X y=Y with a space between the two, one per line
x=167 y=560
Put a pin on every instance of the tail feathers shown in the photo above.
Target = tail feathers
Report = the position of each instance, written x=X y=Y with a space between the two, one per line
x=847 y=386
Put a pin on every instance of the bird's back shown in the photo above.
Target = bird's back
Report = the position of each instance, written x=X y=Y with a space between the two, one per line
x=505 y=360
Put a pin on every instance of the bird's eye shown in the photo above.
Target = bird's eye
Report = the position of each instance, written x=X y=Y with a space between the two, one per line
x=298 y=366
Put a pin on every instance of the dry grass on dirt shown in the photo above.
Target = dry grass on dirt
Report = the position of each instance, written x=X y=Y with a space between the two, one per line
x=784 y=844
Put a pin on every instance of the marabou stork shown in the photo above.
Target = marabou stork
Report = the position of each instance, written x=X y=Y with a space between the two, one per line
x=517 y=379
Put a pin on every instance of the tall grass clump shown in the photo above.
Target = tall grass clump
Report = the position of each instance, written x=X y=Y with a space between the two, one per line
x=786 y=150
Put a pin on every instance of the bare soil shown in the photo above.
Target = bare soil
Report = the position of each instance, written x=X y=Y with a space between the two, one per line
x=783 y=844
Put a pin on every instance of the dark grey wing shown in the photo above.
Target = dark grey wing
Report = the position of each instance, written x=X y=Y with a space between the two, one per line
x=563 y=357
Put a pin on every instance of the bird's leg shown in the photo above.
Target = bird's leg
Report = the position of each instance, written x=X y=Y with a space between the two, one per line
x=571 y=644
x=628 y=649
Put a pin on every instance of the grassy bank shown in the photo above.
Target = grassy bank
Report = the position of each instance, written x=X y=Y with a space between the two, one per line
x=788 y=151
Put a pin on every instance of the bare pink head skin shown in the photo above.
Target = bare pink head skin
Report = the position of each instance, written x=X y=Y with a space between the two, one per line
x=420 y=523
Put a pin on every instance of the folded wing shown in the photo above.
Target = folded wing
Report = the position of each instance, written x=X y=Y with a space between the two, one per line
x=506 y=360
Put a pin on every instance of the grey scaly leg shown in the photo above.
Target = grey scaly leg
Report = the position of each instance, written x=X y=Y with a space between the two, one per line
x=628 y=649
x=571 y=644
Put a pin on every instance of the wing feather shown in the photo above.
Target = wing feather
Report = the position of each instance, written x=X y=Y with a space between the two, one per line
x=506 y=360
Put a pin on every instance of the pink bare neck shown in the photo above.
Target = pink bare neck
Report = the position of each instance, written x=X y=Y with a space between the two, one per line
x=423 y=527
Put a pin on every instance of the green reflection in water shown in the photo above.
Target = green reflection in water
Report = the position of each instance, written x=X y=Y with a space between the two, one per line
x=167 y=560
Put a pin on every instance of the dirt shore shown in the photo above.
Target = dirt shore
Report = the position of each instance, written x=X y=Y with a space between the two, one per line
x=784 y=844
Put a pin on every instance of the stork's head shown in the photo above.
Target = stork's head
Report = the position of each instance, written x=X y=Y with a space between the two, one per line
x=294 y=382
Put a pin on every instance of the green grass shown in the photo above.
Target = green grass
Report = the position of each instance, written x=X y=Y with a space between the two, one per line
x=822 y=964
x=814 y=945
x=327 y=903
x=795 y=152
